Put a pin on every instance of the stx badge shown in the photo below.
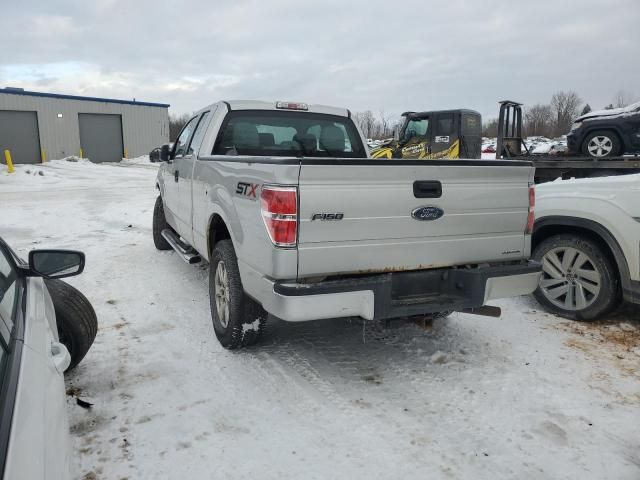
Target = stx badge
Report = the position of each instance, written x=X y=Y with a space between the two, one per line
x=248 y=190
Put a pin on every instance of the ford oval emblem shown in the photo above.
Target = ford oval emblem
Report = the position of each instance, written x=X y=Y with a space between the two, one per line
x=427 y=213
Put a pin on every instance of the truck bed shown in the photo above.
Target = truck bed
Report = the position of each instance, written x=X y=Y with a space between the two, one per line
x=484 y=205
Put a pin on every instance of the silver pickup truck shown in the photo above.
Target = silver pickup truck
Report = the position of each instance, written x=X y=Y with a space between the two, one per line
x=295 y=220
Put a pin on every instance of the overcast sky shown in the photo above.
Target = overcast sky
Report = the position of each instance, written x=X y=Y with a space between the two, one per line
x=362 y=54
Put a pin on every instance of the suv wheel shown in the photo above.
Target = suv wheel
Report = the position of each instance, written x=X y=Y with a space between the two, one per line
x=601 y=144
x=238 y=321
x=578 y=280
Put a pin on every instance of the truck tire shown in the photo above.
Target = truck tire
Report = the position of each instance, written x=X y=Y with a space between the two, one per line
x=578 y=279
x=238 y=321
x=75 y=318
x=601 y=144
x=159 y=224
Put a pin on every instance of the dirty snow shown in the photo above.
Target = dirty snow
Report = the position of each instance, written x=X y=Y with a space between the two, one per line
x=528 y=395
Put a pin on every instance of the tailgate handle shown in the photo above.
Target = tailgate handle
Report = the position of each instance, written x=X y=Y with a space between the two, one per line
x=427 y=189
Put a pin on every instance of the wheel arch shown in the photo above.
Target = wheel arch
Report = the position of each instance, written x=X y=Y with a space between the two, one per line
x=217 y=230
x=611 y=128
x=555 y=225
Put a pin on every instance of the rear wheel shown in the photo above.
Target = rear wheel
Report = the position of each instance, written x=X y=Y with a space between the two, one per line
x=578 y=280
x=75 y=318
x=238 y=321
x=601 y=144
x=159 y=224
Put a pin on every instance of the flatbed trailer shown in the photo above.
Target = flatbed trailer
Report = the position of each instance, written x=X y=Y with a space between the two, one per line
x=549 y=168
x=510 y=146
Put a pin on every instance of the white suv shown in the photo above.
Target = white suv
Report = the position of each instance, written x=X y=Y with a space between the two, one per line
x=587 y=236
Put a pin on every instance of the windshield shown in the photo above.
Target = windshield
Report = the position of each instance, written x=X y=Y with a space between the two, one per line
x=416 y=127
x=285 y=133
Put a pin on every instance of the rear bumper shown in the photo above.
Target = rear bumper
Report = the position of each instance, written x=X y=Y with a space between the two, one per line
x=391 y=295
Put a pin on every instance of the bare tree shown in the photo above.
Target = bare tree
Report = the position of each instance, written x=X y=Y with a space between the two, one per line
x=176 y=122
x=539 y=120
x=623 y=98
x=385 y=124
x=565 y=107
x=367 y=123
x=490 y=128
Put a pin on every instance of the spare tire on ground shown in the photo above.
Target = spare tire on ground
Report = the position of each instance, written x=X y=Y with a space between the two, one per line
x=75 y=317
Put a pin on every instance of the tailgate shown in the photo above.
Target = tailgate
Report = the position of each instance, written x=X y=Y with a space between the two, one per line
x=357 y=217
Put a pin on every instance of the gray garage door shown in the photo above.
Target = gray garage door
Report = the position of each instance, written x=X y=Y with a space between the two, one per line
x=101 y=137
x=19 y=134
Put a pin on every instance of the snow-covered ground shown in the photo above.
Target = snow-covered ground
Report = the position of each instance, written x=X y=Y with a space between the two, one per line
x=528 y=395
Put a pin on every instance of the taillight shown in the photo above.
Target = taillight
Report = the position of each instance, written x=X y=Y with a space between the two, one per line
x=280 y=214
x=531 y=217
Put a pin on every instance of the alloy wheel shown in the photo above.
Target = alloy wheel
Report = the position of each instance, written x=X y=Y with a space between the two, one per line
x=570 y=279
x=221 y=285
x=600 y=146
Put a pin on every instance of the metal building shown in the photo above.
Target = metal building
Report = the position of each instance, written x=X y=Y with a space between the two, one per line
x=37 y=127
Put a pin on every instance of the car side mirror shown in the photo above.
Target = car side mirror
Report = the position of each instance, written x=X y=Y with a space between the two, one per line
x=56 y=263
x=165 y=153
x=154 y=155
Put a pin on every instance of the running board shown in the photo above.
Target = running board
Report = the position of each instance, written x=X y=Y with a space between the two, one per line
x=186 y=252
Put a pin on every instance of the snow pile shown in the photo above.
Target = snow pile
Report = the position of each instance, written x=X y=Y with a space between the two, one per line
x=141 y=160
x=72 y=158
x=537 y=145
x=80 y=172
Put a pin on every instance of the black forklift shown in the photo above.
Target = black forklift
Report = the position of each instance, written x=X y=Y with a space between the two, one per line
x=442 y=134
x=510 y=145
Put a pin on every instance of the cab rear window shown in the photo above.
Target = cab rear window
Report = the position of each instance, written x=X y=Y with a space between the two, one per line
x=286 y=133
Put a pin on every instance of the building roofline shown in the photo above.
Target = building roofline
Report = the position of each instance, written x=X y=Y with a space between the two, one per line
x=27 y=93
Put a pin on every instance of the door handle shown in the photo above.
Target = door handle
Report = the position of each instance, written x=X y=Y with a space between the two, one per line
x=427 y=189
x=176 y=175
x=60 y=356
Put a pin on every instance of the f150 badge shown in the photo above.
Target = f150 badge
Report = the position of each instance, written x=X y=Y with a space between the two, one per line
x=427 y=213
x=327 y=216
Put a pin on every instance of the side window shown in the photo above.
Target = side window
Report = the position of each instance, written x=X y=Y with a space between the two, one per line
x=417 y=127
x=8 y=289
x=198 y=135
x=471 y=124
x=445 y=125
x=183 y=138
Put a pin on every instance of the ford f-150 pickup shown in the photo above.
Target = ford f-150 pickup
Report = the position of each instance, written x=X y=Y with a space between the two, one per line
x=295 y=220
